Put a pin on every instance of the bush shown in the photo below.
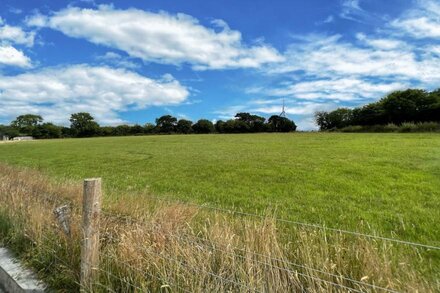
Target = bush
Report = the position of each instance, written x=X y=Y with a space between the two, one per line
x=391 y=127
x=428 y=127
x=408 y=127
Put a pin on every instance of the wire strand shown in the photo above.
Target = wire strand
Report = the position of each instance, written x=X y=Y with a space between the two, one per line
x=309 y=225
x=285 y=262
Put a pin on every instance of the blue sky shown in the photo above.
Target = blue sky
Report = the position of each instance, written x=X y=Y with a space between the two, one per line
x=132 y=61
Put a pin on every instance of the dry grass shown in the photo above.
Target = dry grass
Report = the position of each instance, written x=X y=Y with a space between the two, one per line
x=149 y=245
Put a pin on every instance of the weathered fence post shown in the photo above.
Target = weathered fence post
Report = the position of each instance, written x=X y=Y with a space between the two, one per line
x=90 y=232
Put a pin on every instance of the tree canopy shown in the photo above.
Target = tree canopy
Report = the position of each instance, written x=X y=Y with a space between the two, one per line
x=411 y=105
x=83 y=124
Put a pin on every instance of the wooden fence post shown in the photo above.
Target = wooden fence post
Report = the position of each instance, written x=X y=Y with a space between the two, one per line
x=90 y=232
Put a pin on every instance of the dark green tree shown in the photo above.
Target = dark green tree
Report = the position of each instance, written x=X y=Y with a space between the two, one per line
x=255 y=122
x=281 y=124
x=184 y=126
x=83 y=125
x=203 y=126
x=166 y=124
x=26 y=124
x=220 y=126
x=149 y=128
x=47 y=130
x=405 y=106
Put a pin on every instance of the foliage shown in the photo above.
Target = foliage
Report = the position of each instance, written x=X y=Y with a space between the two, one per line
x=166 y=124
x=203 y=126
x=399 y=107
x=281 y=124
x=405 y=127
x=184 y=126
x=83 y=125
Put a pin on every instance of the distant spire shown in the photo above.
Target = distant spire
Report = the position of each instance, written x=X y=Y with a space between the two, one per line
x=283 y=112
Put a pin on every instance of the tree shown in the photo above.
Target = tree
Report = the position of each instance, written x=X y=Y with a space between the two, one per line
x=184 y=126
x=28 y=120
x=235 y=126
x=27 y=123
x=149 y=128
x=122 y=130
x=203 y=126
x=166 y=124
x=47 y=130
x=433 y=111
x=334 y=120
x=83 y=125
x=220 y=126
x=281 y=124
x=255 y=123
x=370 y=114
x=136 y=130
x=405 y=106
x=9 y=131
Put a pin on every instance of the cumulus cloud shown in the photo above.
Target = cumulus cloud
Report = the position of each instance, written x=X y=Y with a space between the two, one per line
x=55 y=93
x=421 y=22
x=329 y=55
x=341 y=70
x=160 y=37
x=16 y=35
x=13 y=57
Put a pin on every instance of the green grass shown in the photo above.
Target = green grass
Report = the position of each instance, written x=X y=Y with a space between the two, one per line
x=388 y=181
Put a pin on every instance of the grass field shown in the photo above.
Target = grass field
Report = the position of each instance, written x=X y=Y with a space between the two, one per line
x=389 y=181
x=373 y=183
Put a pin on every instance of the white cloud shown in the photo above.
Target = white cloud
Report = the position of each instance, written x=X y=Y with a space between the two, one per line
x=337 y=89
x=381 y=43
x=15 y=35
x=351 y=10
x=13 y=57
x=117 y=60
x=55 y=93
x=160 y=37
x=326 y=56
x=293 y=108
x=421 y=22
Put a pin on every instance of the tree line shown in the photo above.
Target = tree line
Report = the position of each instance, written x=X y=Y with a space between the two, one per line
x=83 y=124
x=412 y=106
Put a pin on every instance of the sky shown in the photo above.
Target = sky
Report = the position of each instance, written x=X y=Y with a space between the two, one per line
x=133 y=61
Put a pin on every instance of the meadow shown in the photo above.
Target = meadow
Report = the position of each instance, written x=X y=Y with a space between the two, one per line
x=387 y=183
x=157 y=237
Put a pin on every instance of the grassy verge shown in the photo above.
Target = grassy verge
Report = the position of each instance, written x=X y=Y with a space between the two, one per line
x=154 y=245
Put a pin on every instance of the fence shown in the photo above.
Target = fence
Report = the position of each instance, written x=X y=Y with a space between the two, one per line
x=178 y=261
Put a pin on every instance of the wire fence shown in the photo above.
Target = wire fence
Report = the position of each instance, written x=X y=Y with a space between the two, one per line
x=174 y=272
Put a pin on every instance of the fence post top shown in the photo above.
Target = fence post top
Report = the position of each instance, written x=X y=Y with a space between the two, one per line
x=92 y=179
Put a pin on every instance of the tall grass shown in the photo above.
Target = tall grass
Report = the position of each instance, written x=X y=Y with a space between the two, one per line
x=152 y=245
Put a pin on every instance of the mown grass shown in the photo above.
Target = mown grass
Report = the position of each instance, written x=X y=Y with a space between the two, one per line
x=389 y=182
